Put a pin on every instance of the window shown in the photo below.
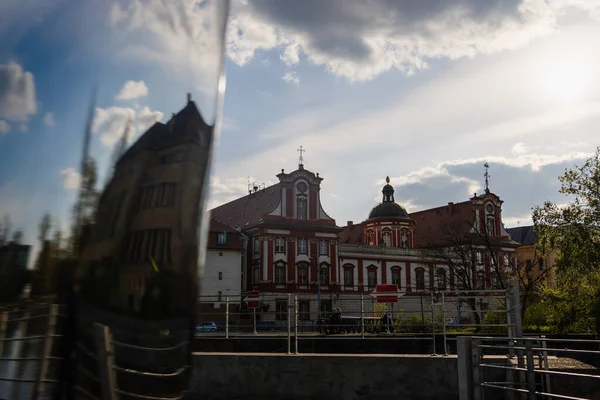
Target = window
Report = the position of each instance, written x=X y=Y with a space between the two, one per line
x=281 y=310
x=370 y=239
x=506 y=260
x=387 y=239
x=348 y=277
x=280 y=245
x=303 y=274
x=479 y=255
x=148 y=196
x=441 y=279
x=154 y=244
x=302 y=247
x=491 y=226
x=301 y=207
x=324 y=275
x=461 y=279
x=396 y=276
x=372 y=278
x=480 y=280
x=162 y=195
x=420 y=278
x=219 y=296
x=222 y=238
x=495 y=280
x=175 y=156
x=304 y=310
x=280 y=273
x=541 y=264
x=404 y=240
x=220 y=276
x=256 y=246
x=256 y=277
x=324 y=247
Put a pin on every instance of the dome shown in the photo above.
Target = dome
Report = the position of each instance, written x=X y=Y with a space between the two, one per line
x=388 y=207
x=388 y=210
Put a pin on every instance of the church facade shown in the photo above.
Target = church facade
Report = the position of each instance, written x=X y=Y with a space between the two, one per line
x=295 y=247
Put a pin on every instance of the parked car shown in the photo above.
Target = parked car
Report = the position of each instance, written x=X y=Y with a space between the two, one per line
x=206 y=327
x=267 y=326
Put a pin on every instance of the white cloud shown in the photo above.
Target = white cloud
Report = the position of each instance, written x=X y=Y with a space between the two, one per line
x=359 y=40
x=291 y=77
x=71 y=179
x=49 y=119
x=110 y=123
x=23 y=127
x=4 y=127
x=180 y=36
x=17 y=93
x=132 y=90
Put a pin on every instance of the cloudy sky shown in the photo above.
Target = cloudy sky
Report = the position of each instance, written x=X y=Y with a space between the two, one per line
x=424 y=91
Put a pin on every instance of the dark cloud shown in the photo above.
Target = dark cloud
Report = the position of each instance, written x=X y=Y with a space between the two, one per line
x=520 y=187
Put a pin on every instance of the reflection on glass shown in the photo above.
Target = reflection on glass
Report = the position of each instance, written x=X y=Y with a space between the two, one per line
x=108 y=115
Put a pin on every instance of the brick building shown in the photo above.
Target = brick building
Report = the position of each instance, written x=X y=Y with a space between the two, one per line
x=295 y=247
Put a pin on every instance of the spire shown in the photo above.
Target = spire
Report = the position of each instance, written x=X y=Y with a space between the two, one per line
x=301 y=158
x=487 y=177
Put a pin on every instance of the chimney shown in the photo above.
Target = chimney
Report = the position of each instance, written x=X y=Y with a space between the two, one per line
x=450 y=207
x=189 y=97
x=350 y=224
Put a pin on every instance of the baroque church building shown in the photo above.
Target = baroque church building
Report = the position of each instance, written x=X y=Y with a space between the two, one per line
x=295 y=247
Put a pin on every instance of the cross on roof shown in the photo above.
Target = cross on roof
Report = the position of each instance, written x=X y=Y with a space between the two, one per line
x=301 y=159
x=487 y=177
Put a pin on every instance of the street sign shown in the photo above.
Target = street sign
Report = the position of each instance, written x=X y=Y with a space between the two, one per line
x=386 y=293
x=252 y=299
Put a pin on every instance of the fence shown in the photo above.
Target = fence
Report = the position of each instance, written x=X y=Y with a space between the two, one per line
x=106 y=362
x=416 y=315
x=528 y=368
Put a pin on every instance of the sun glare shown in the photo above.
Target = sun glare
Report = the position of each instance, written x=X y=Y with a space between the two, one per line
x=567 y=77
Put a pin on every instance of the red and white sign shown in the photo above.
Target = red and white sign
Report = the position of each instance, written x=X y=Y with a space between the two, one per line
x=386 y=293
x=253 y=299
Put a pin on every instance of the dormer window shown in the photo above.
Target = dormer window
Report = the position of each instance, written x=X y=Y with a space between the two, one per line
x=222 y=238
x=301 y=208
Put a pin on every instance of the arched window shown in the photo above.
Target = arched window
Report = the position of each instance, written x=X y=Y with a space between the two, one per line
x=441 y=279
x=404 y=239
x=301 y=207
x=303 y=273
x=420 y=278
x=387 y=238
x=370 y=238
x=491 y=225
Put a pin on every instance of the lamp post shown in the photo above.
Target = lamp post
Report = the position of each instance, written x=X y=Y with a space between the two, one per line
x=319 y=294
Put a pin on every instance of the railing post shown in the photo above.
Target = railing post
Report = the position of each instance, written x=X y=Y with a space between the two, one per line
x=476 y=358
x=515 y=306
x=545 y=358
x=362 y=314
x=47 y=350
x=296 y=323
x=20 y=352
x=465 y=368
x=289 y=327
x=530 y=369
x=433 y=323
x=106 y=362
x=3 y=326
x=444 y=324
x=227 y=317
x=509 y=322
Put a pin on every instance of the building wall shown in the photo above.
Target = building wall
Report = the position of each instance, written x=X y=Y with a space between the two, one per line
x=228 y=263
x=528 y=253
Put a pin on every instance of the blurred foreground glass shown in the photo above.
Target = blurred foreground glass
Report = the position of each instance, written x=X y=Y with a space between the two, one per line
x=108 y=114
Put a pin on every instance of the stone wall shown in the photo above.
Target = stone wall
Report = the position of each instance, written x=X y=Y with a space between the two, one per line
x=230 y=376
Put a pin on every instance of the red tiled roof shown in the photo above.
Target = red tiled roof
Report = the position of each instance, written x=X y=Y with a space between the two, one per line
x=247 y=211
x=352 y=234
x=436 y=224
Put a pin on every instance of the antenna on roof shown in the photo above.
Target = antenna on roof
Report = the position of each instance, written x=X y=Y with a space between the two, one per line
x=301 y=158
x=255 y=186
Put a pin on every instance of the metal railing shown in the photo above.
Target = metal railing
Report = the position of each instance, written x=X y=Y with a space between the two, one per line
x=528 y=368
x=416 y=316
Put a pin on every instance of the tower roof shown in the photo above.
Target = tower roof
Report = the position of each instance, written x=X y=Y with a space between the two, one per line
x=388 y=209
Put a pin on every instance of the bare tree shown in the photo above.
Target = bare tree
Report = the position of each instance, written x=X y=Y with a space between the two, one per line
x=466 y=250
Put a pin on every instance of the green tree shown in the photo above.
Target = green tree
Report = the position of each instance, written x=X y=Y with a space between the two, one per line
x=84 y=209
x=574 y=229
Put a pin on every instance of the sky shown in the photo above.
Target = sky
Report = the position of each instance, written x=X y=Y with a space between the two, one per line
x=423 y=91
